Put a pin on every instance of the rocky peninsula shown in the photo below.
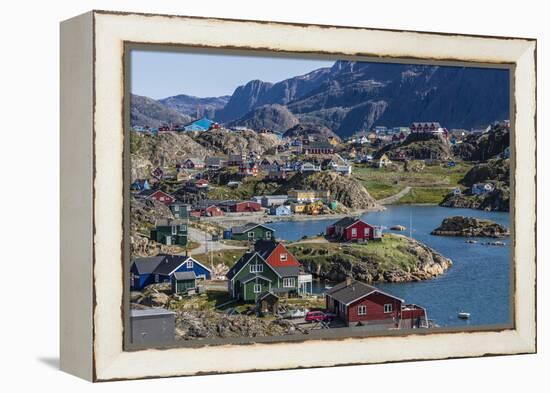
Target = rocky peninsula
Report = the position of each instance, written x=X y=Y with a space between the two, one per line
x=396 y=258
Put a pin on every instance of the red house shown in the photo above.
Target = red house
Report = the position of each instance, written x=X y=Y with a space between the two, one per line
x=275 y=254
x=248 y=169
x=353 y=229
x=212 y=211
x=157 y=195
x=360 y=304
x=244 y=206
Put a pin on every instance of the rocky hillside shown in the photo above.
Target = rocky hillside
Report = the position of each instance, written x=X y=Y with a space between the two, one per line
x=144 y=214
x=395 y=259
x=497 y=172
x=228 y=142
x=485 y=146
x=147 y=112
x=470 y=227
x=346 y=190
x=308 y=129
x=188 y=105
x=420 y=147
x=273 y=117
x=147 y=151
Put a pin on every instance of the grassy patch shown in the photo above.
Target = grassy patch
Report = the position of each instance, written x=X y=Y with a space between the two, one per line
x=206 y=301
x=432 y=195
x=390 y=253
x=227 y=257
x=429 y=186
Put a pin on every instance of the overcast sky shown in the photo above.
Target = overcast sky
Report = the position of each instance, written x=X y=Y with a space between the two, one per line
x=163 y=74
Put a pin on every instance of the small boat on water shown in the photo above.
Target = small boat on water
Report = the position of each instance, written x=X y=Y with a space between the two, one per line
x=464 y=315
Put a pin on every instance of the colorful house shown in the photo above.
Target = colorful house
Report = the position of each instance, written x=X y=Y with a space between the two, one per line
x=248 y=169
x=298 y=208
x=240 y=206
x=182 y=282
x=281 y=210
x=203 y=124
x=308 y=195
x=270 y=267
x=252 y=232
x=318 y=147
x=170 y=232
x=357 y=303
x=160 y=269
x=273 y=200
x=353 y=229
x=179 y=210
x=157 y=195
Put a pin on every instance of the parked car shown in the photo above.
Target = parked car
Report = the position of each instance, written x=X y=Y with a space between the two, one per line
x=298 y=313
x=316 y=316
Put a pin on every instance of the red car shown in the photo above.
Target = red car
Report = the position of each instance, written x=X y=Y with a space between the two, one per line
x=316 y=316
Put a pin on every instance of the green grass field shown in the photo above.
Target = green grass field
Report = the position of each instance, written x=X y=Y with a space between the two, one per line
x=428 y=186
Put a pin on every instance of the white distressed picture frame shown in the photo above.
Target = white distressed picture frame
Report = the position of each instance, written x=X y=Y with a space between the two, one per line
x=92 y=151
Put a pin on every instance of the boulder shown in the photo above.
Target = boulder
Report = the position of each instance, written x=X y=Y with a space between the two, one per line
x=470 y=227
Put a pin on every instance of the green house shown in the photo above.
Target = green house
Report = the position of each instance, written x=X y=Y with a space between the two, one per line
x=179 y=210
x=182 y=282
x=252 y=232
x=252 y=276
x=170 y=232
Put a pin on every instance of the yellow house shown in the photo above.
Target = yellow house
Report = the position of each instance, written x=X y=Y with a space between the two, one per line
x=297 y=208
x=333 y=141
x=308 y=195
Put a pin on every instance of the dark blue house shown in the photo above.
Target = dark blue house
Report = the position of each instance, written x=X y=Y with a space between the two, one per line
x=161 y=268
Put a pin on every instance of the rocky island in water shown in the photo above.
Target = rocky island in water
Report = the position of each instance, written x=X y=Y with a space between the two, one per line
x=470 y=227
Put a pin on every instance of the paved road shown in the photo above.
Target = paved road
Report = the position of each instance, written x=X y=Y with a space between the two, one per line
x=395 y=197
x=198 y=236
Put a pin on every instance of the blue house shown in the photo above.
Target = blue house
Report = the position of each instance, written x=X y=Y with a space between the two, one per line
x=203 y=124
x=281 y=210
x=140 y=185
x=161 y=268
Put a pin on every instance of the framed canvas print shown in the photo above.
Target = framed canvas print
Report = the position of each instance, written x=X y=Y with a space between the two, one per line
x=245 y=195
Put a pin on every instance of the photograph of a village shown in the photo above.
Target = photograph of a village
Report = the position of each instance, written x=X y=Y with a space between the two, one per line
x=282 y=196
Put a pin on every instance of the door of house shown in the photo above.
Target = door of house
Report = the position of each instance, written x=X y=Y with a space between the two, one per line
x=168 y=240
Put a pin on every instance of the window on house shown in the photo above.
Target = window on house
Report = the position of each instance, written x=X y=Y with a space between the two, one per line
x=257 y=288
x=189 y=264
x=283 y=257
x=251 y=235
x=161 y=198
x=362 y=310
x=174 y=230
x=268 y=235
x=183 y=228
x=367 y=231
x=289 y=282
x=176 y=208
x=258 y=268
x=388 y=308
x=353 y=232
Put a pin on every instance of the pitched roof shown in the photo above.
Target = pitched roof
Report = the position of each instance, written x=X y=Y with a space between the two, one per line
x=348 y=293
x=185 y=275
x=247 y=227
x=243 y=260
x=265 y=247
x=286 y=271
x=170 y=263
x=319 y=145
x=345 y=222
x=147 y=265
